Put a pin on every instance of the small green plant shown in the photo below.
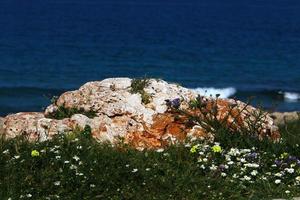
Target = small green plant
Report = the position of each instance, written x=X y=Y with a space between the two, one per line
x=76 y=167
x=204 y=112
x=54 y=99
x=63 y=112
x=87 y=132
x=138 y=86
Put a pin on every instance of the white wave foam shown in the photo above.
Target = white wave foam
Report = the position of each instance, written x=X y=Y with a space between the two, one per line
x=210 y=91
x=291 y=96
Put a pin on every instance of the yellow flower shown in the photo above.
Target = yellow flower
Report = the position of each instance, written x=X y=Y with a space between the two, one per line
x=194 y=149
x=35 y=153
x=284 y=155
x=217 y=149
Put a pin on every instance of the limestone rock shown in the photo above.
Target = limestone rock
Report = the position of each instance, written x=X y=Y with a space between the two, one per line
x=22 y=124
x=1 y=126
x=282 y=118
x=122 y=116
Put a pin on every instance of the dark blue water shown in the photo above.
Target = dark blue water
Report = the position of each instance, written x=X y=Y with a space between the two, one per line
x=50 y=46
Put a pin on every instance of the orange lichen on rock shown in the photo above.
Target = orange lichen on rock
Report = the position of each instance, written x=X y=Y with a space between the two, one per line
x=122 y=115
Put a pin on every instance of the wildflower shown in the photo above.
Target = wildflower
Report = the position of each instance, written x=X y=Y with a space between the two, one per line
x=134 y=170
x=290 y=170
x=29 y=195
x=159 y=150
x=73 y=167
x=16 y=157
x=277 y=181
x=66 y=162
x=187 y=145
x=254 y=173
x=234 y=152
x=222 y=167
x=56 y=152
x=35 y=153
x=6 y=151
x=284 y=155
x=92 y=185
x=247 y=178
x=251 y=165
x=227 y=157
x=213 y=167
x=194 y=149
x=147 y=169
x=57 y=183
x=278 y=162
x=57 y=157
x=278 y=174
x=230 y=163
x=243 y=151
x=217 y=149
x=263 y=178
x=175 y=103
x=223 y=174
x=287 y=191
x=243 y=169
x=293 y=165
x=76 y=158
x=252 y=155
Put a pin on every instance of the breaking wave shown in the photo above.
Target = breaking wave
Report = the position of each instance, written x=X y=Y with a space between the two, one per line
x=210 y=91
x=291 y=96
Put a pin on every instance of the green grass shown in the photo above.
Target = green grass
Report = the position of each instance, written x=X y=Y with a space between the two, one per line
x=63 y=112
x=74 y=166
x=138 y=86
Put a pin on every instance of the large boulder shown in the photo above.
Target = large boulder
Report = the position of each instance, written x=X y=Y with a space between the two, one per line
x=122 y=114
x=281 y=118
x=1 y=125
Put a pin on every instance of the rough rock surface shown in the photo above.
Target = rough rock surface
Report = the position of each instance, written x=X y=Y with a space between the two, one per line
x=1 y=125
x=282 y=118
x=122 y=115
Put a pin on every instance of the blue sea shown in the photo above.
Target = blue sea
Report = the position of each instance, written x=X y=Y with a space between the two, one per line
x=238 y=48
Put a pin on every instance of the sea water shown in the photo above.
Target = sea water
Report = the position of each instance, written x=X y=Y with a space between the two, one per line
x=235 y=48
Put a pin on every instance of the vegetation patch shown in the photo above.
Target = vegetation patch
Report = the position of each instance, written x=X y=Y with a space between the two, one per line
x=63 y=112
x=236 y=165
x=75 y=166
x=138 y=86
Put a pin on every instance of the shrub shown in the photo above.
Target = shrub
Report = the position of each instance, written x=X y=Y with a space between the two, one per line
x=138 y=86
x=63 y=112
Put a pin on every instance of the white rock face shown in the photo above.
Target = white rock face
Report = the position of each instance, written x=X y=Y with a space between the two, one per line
x=1 y=125
x=282 y=118
x=112 y=97
x=122 y=115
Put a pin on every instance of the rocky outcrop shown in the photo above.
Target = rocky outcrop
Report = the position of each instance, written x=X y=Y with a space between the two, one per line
x=285 y=117
x=1 y=125
x=121 y=115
